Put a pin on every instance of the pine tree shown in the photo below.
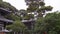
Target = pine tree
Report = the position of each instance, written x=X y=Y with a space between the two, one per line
x=36 y=9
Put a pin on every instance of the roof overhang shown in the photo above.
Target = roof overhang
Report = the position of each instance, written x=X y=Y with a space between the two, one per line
x=4 y=10
x=27 y=21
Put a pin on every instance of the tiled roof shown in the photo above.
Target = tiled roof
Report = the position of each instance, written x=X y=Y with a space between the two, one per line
x=5 y=20
x=3 y=9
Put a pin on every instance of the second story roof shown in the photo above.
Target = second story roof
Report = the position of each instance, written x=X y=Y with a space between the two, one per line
x=5 y=20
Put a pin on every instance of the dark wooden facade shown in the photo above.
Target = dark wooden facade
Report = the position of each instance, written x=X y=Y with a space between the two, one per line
x=4 y=21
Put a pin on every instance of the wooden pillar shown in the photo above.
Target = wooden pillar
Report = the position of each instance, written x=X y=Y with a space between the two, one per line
x=2 y=33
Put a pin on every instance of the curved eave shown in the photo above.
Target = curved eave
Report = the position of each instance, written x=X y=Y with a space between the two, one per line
x=27 y=21
x=5 y=20
x=5 y=10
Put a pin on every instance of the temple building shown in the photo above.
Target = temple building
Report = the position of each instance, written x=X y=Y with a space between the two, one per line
x=4 y=21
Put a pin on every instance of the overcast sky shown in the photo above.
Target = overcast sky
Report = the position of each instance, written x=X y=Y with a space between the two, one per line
x=20 y=4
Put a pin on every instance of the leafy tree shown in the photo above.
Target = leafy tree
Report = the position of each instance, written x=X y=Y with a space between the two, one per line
x=50 y=24
x=17 y=26
x=40 y=8
x=7 y=6
x=54 y=21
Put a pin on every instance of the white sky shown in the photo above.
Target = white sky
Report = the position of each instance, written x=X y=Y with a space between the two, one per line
x=20 y=4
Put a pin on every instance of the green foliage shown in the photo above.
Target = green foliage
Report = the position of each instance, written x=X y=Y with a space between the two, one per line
x=40 y=25
x=27 y=17
x=42 y=3
x=7 y=6
x=48 y=8
x=54 y=21
x=0 y=0
x=17 y=26
x=50 y=23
